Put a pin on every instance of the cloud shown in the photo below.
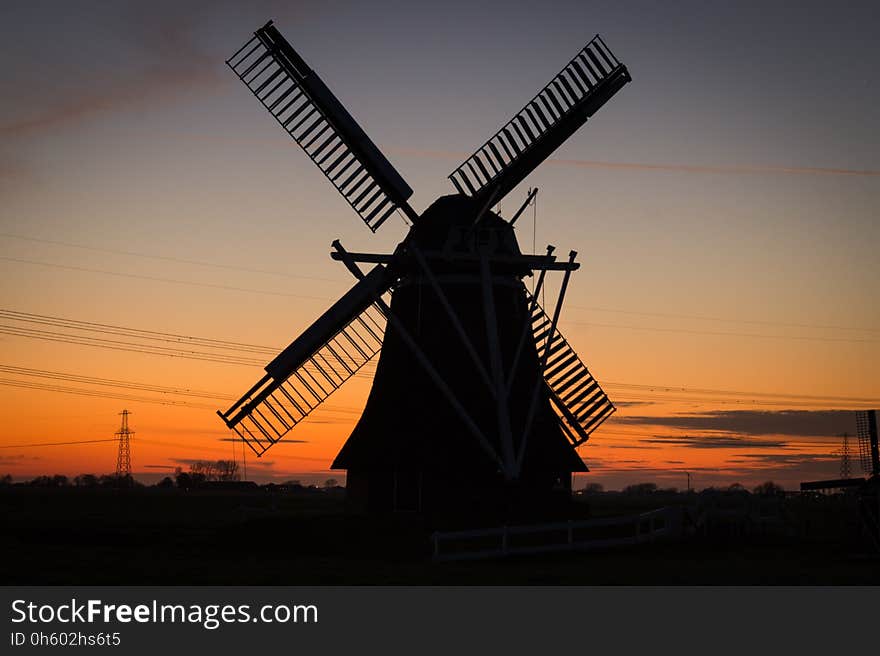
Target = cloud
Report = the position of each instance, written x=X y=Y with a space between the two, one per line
x=690 y=168
x=794 y=459
x=10 y=460
x=13 y=170
x=644 y=166
x=175 y=63
x=802 y=423
x=285 y=440
x=173 y=430
x=251 y=463
x=717 y=442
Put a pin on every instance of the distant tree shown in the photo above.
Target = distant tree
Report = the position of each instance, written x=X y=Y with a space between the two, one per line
x=331 y=483
x=86 y=480
x=58 y=480
x=640 y=488
x=227 y=470
x=214 y=470
x=769 y=489
x=125 y=481
x=737 y=487
x=182 y=479
x=668 y=490
x=165 y=482
x=593 y=488
x=202 y=470
x=6 y=480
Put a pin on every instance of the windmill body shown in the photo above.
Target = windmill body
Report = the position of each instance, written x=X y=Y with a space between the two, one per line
x=478 y=400
x=411 y=449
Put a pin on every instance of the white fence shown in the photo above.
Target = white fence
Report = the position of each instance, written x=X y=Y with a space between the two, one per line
x=662 y=524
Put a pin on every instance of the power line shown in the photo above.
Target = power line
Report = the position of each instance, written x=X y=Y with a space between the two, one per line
x=324 y=298
x=330 y=409
x=111 y=382
x=28 y=446
x=534 y=226
x=149 y=349
x=699 y=390
x=164 y=258
x=722 y=320
x=232 y=354
x=105 y=395
x=725 y=334
x=853 y=405
x=131 y=332
x=646 y=166
x=120 y=274
x=128 y=346
x=232 y=349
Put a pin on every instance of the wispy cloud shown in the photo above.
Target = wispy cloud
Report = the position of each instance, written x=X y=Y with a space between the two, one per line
x=792 y=459
x=693 y=168
x=176 y=64
x=238 y=439
x=804 y=423
x=717 y=442
x=658 y=166
x=12 y=170
x=261 y=464
x=17 y=458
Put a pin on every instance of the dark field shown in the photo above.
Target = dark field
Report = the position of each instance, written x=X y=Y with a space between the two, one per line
x=155 y=536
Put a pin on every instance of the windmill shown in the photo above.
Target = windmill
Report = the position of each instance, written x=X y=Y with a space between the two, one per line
x=477 y=397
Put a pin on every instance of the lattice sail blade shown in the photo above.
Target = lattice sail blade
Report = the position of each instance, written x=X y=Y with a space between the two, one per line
x=332 y=350
x=866 y=429
x=576 y=396
x=310 y=113
x=586 y=83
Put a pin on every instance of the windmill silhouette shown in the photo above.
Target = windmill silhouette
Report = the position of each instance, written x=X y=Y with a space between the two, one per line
x=477 y=397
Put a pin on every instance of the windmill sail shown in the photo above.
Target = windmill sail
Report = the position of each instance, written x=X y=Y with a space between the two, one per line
x=869 y=452
x=586 y=83
x=315 y=365
x=310 y=113
x=576 y=396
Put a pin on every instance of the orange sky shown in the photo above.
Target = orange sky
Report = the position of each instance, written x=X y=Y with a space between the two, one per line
x=727 y=232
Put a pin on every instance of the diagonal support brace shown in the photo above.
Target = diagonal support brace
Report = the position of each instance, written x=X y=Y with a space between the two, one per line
x=534 y=402
x=427 y=366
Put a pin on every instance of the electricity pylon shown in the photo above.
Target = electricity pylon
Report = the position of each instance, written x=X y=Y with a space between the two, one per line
x=123 y=459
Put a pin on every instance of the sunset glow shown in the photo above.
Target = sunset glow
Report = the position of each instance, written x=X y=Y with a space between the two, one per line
x=161 y=238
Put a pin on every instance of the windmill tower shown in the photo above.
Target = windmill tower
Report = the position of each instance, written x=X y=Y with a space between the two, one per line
x=477 y=396
x=123 y=458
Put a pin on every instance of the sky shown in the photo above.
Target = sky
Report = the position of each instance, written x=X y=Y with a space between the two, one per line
x=723 y=206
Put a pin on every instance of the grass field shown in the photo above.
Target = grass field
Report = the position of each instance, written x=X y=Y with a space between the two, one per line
x=156 y=536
